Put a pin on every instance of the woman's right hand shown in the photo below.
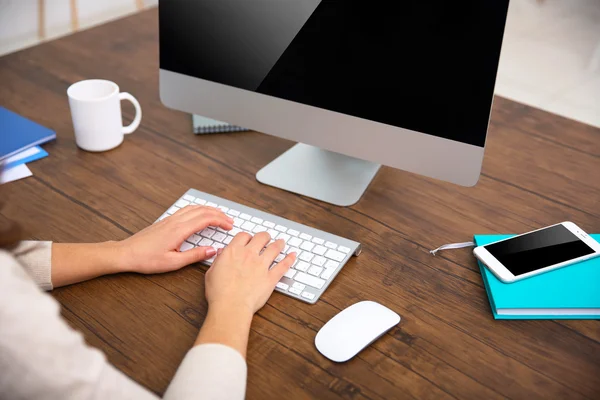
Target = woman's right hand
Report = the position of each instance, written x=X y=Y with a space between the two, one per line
x=240 y=277
x=238 y=284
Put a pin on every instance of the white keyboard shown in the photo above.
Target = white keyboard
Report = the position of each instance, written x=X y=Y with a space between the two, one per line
x=320 y=255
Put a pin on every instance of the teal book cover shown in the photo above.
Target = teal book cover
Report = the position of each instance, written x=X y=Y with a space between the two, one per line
x=571 y=292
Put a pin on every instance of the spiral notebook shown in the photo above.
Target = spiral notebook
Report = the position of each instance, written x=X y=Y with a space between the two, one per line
x=203 y=125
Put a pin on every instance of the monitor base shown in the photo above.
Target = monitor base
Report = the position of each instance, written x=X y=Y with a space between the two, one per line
x=323 y=175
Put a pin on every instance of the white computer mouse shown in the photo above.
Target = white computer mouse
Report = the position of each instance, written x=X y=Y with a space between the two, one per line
x=353 y=329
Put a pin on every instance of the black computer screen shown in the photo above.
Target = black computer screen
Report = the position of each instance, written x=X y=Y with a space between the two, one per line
x=429 y=66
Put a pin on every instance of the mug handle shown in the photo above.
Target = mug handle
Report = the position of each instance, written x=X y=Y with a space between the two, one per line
x=138 y=113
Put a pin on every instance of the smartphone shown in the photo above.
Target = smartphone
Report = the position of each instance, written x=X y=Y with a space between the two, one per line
x=536 y=252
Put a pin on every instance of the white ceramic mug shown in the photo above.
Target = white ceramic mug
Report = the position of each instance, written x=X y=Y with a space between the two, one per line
x=96 y=113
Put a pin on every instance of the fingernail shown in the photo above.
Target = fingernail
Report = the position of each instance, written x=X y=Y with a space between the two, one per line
x=211 y=251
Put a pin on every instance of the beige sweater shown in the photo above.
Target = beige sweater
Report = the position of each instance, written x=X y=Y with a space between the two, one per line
x=41 y=357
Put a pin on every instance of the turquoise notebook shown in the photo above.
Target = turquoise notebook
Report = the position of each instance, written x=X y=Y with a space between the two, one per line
x=571 y=292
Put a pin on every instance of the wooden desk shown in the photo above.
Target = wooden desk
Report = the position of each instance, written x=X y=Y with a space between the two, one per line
x=539 y=169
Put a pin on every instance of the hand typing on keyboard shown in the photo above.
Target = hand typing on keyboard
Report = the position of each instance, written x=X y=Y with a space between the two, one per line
x=320 y=255
x=242 y=275
x=239 y=283
x=156 y=248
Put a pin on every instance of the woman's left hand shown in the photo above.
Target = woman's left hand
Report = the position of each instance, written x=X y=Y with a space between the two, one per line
x=155 y=249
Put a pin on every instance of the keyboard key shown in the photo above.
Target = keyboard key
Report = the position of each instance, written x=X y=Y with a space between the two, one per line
x=308 y=246
x=295 y=241
x=282 y=286
x=219 y=237
x=185 y=246
x=330 y=264
x=182 y=203
x=335 y=255
x=208 y=233
x=344 y=249
x=269 y=224
x=194 y=239
x=317 y=240
x=314 y=270
x=309 y=280
x=210 y=260
x=228 y=239
x=223 y=208
x=290 y=273
x=235 y=231
x=233 y=212
x=245 y=216
x=163 y=217
x=302 y=266
x=318 y=260
x=293 y=232
x=284 y=236
x=218 y=246
x=298 y=285
x=320 y=250
x=285 y=249
x=200 y=202
x=259 y=228
x=295 y=291
x=238 y=222
x=248 y=226
x=308 y=295
x=279 y=257
x=327 y=273
x=281 y=228
x=172 y=210
x=273 y=233
x=189 y=198
x=213 y=205
x=257 y=220
x=205 y=242
x=306 y=256
x=305 y=236
x=293 y=250
x=221 y=230
x=331 y=245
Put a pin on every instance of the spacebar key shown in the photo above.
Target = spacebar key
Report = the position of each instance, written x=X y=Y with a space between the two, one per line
x=309 y=280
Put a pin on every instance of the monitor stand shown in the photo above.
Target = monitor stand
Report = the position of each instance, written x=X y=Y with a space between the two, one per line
x=323 y=175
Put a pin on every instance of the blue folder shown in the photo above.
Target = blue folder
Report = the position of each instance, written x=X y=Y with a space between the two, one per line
x=41 y=153
x=17 y=133
x=571 y=292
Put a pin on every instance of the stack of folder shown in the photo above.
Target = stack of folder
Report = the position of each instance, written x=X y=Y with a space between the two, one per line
x=19 y=144
x=571 y=292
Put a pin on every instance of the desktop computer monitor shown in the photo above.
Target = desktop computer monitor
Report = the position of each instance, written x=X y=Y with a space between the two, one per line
x=407 y=83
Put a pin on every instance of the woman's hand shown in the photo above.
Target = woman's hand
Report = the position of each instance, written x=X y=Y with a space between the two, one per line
x=152 y=250
x=155 y=249
x=240 y=276
x=238 y=284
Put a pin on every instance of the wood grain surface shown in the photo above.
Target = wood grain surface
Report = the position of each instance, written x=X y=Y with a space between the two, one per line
x=539 y=169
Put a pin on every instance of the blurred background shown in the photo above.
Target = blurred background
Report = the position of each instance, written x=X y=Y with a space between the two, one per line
x=550 y=56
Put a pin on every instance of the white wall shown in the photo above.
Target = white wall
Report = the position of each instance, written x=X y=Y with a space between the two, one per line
x=551 y=57
x=19 y=25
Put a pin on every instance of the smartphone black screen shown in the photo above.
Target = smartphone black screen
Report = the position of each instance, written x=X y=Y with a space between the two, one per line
x=539 y=249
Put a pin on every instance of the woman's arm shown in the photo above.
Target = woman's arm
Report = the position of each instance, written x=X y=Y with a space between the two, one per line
x=152 y=250
x=238 y=284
